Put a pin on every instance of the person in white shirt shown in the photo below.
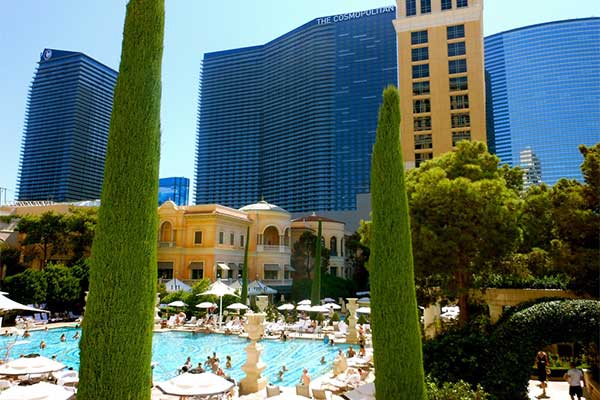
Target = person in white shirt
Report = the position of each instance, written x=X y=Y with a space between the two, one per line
x=575 y=378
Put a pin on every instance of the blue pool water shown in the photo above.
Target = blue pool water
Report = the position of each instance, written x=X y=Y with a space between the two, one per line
x=170 y=349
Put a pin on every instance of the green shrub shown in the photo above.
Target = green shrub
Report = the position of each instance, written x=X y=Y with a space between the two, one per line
x=335 y=317
x=454 y=391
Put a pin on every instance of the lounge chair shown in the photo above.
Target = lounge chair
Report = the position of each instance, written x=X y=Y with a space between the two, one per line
x=191 y=323
x=302 y=390
x=320 y=394
x=273 y=391
x=37 y=319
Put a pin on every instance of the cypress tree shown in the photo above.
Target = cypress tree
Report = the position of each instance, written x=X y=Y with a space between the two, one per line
x=315 y=295
x=396 y=333
x=116 y=345
x=244 y=297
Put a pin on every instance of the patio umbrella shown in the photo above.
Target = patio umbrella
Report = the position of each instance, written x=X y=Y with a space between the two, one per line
x=364 y=310
x=328 y=300
x=286 y=307
x=7 y=304
x=304 y=302
x=177 y=303
x=257 y=287
x=365 y=300
x=320 y=309
x=303 y=307
x=206 y=304
x=39 y=391
x=219 y=289
x=237 y=306
x=30 y=365
x=332 y=306
x=204 y=384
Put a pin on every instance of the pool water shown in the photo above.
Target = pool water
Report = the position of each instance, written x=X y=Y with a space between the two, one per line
x=170 y=350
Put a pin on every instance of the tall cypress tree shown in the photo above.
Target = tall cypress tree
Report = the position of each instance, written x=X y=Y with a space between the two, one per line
x=394 y=314
x=315 y=294
x=116 y=346
x=244 y=297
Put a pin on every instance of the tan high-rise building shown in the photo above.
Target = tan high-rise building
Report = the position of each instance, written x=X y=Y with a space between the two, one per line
x=440 y=76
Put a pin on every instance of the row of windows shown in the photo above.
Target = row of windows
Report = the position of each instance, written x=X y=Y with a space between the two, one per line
x=456 y=103
x=457 y=66
x=425 y=141
x=420 y=71
x=420 y=54
x=455 y=84
x=198 y=238
x=421 y=106
x=422 y=157
x=456 y=49
x=411 y=6
x=452 y=32
x=422 y=124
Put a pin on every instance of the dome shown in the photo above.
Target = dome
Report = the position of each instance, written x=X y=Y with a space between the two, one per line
x=263 y=206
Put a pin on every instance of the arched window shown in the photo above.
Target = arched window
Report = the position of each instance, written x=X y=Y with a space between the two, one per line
x=166 y=232
x=333 y=246
x=271 y=236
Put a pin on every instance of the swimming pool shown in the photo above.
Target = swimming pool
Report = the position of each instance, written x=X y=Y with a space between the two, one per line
x=170 y=349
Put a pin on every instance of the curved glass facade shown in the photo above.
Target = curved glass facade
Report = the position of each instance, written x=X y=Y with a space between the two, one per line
x=294 y=120
x=66 y=128
x=544 y=82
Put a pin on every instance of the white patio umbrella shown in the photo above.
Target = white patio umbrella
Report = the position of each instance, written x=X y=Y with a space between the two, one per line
x=7 y=304
x=257 y=287
x=328 y=300
x=303 y=307
x=30 y=365
x=219 y=289
x=320 y=309
x=364 y=310
x=363 y=392
x=286 y=307
x=304 y=302
x=206 y=304
x=237 y=306
x=204 y=384
x=177 y=303
x=39 y=391
x=364 y=300
x=332 y=306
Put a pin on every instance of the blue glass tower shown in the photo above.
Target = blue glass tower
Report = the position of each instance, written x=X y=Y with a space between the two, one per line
x=175 y=189
x=294 y=120
x=544 y=82
x=66 y=128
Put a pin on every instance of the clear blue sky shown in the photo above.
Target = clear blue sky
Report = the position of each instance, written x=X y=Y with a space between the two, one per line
x=193 y=27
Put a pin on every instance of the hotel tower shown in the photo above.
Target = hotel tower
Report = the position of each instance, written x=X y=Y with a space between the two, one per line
x=440 y=76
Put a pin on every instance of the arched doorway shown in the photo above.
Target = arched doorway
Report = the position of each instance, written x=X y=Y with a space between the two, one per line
x=166 y=232
x=271 y=236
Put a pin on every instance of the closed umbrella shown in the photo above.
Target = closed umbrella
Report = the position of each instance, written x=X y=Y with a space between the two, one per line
x=202 y=385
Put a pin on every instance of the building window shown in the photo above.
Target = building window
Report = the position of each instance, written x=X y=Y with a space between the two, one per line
x=456 y=49
x=455 y=32
x=420 y=158
x=457 y=66
x=271 y=271
x=241 y=240
x=231 y=239
x=423 y=142
x=333 y=246
x=197 y=270
x=461 y=120
x=420 y=88
x=198 y=237
x=421 y=106
x=420 y=54
x=418 y=37
x=446 y=5
x=411 y=7
x=457 y=84
x=165 y=270
x=333 y=271
x=425 y=6
x=459 y=102
x=422 y=124
x=458 y=136
x=462 y=3
x=221 y=238
x=420 y=71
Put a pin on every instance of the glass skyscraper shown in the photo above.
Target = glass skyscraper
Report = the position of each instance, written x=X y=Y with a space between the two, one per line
x=544 y=82
x=175 y=189
x=294 y=120
x=66 y=128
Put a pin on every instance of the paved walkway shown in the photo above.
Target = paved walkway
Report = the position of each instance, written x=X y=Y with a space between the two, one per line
x=557 y=390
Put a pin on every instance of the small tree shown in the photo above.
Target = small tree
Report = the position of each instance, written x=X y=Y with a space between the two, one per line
x=316 y=284
x=391 y=266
